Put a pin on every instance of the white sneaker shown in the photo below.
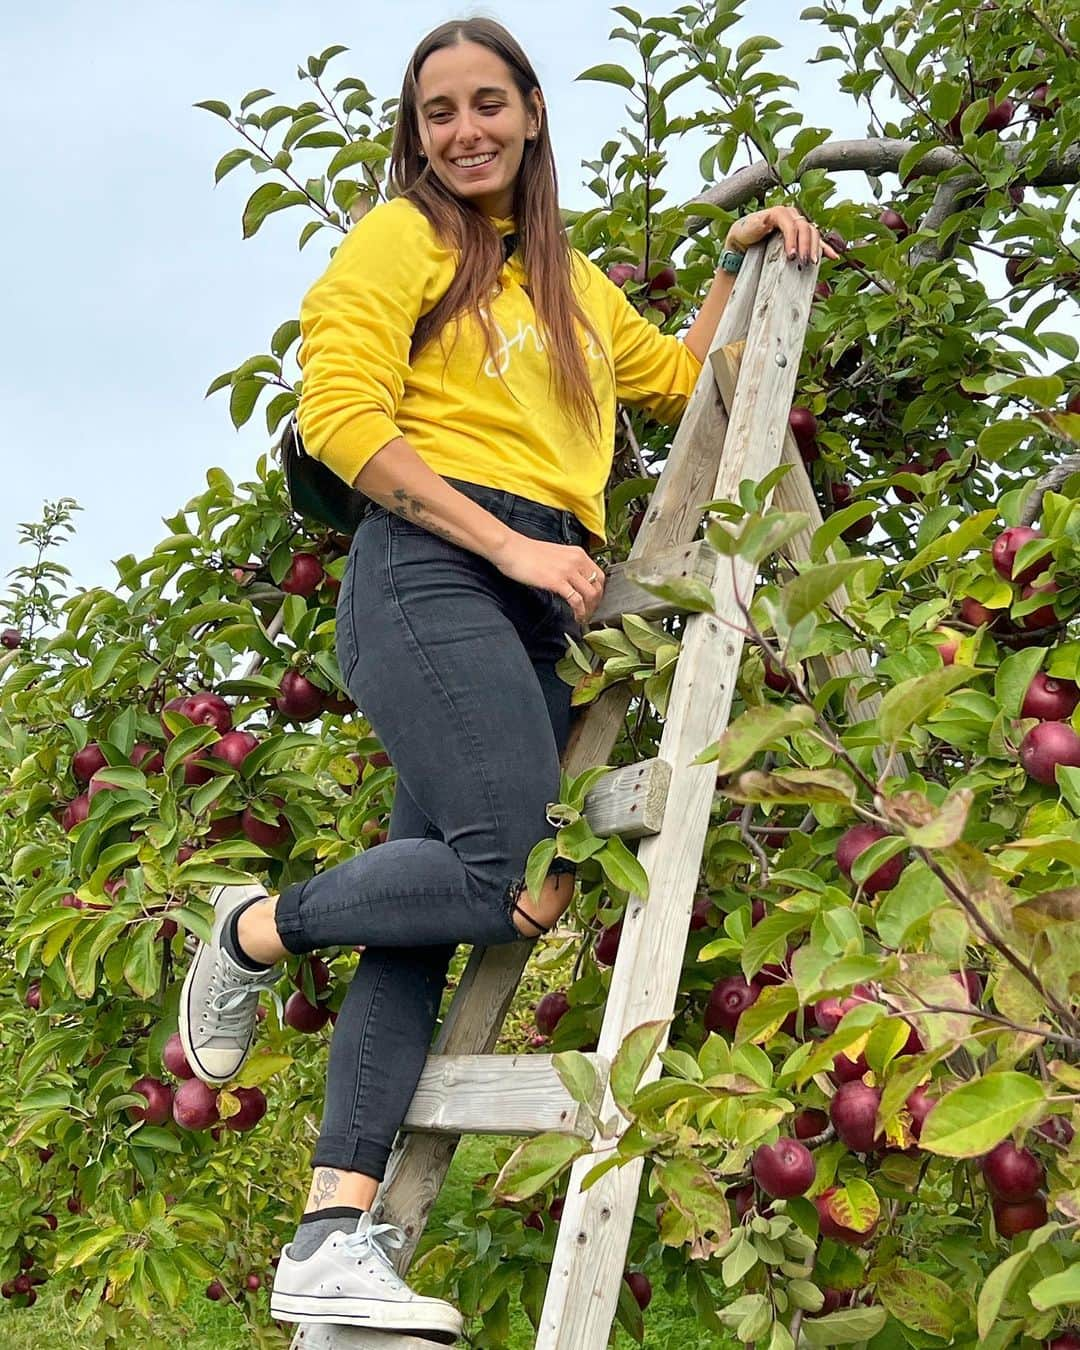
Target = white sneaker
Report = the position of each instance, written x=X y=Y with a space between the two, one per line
x=350 y=1279
x=219 y=999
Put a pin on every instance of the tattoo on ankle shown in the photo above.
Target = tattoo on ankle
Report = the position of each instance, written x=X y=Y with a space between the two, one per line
x=326 y=1187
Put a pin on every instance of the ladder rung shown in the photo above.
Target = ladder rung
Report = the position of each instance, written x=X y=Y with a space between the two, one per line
x=630 y=800
x=623 y=594
x=498 y=1094
x=333 y=1337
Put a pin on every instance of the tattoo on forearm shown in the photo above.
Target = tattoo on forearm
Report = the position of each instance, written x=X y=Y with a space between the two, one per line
x=412 y=509
x=326 y=1186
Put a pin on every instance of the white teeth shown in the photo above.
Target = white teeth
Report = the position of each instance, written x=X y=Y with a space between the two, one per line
x=474 y=160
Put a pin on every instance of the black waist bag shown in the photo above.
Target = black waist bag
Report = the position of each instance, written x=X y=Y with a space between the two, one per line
x=316 y=492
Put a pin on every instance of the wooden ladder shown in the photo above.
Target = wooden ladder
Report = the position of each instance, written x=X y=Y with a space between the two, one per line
x=735 y=427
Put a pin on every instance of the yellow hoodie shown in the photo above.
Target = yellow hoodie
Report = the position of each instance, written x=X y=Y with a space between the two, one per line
x=359 y=391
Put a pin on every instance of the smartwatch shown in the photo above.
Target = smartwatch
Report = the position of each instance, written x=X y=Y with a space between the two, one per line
x=731 y=260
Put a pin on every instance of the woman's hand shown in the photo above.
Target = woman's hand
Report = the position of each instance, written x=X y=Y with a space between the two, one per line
x=563 y=568
x=801 y=238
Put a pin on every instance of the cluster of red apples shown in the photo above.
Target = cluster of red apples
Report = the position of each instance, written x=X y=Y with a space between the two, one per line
x=1052 y=701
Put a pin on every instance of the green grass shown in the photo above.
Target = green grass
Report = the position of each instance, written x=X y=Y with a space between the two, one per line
x=669 y=1323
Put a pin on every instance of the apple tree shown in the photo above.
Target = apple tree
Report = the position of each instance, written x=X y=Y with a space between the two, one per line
x=865 y=1129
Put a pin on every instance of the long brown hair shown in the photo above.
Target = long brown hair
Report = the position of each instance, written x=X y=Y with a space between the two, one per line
x=543 y=242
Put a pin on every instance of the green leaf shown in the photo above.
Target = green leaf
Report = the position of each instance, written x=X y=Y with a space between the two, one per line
x=537 y=1162
x=692 y=1190
x=979 y=1114
x=911 y=701
x=752 y=732
x=92 y=1246
x=1064 y=1287
x=264 y=201
x=633 y=1056
x=622 y=869
x=953 y=544
x=142 y=964
x=215 y=106
x=996 y=1288
x=688 y=594
x=260 y=1069
x=609 y=74
x=855 y=1205
x=919 y=1300
x=814 y=586
x=358 y=152
x=153 y=1136
x=578 y=1075
x=1013 y=677
x=229 y=161
x=843 y=1328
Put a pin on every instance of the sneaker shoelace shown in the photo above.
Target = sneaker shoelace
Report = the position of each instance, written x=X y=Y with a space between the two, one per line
x=371 y=1241
x=233 y=993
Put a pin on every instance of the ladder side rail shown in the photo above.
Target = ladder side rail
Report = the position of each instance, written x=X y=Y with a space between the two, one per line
x=420 y=1162
x=595 y=1228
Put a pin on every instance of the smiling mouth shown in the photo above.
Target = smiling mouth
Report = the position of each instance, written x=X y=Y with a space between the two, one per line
x=473 y=161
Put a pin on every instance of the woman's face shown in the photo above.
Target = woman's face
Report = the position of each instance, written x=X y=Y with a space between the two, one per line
x=473 y=124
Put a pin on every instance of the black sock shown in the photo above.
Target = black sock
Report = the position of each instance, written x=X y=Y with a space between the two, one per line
x=316 y=1227
x=230 y=938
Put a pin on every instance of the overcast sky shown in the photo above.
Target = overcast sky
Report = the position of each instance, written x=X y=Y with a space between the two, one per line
x=127 y=284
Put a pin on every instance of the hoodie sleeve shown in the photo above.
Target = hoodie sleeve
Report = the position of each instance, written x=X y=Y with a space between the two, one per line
x=654 y=371
x=356 y=326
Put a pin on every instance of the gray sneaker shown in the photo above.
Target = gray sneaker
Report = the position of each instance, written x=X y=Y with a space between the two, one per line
x=219 y=997
x=351 y=1280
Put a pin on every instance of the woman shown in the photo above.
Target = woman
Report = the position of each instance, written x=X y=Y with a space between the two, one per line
x=462 y=368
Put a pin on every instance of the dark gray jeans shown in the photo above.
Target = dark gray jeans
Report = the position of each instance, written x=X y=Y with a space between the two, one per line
x=453 y=664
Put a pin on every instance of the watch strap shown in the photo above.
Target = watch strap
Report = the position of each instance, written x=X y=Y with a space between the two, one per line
x=731 y=260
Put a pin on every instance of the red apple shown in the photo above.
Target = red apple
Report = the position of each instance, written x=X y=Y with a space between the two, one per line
x=1044 y=616
x=259 y=832
x=1067 y=1339
x=822 y=290
x=224 y=827
x=551 y=1008
x=1045 y=747
x=1017 y=266
x=783 y=1170
x=159 y=1097
x=803 y=426
x=1013 y=1174
x=1041 y=106
x=304 y=575
x=998 y=115
x=1049 y=699
x=853 y=1112
x=893 y=220
x=299 y=697
x=701 y=913
x=919 y=1105
x=640 y=1287
x=234 y=747
x=304 y=1016
x=11 y=638
x=728 y=1000
x=320 y=975
x=1013 y=1219
x=86 y=762
x=1057 y=1129
x=841 y=494
x=174 y=1060
x=252 y=1108
x=976 y=614
x=848 y=1070
x=948 y=646
x=148 y=759
x=33 y=996
x=620 y=273
x=856 y=841
x=207 y=709
x=1005 y=548
x=809 y=1123
x=607 y=944
x=75 y=811
x=215 y=1291
x=195 y=1105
